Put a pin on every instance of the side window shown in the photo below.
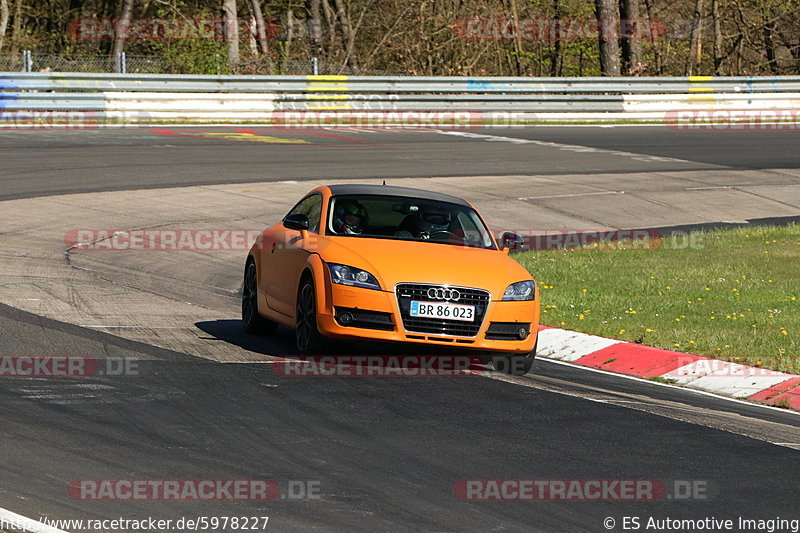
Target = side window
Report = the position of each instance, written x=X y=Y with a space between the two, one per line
x=312 y=208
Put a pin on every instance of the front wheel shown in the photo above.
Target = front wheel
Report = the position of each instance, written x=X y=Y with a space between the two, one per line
x=307 y=336
x=253 y=322
x=515 y=365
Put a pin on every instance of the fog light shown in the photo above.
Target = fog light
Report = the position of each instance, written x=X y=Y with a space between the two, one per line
x=345 y=319
x=523 y=333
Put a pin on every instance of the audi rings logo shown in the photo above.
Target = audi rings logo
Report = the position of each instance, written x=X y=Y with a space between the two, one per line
x=442 y=293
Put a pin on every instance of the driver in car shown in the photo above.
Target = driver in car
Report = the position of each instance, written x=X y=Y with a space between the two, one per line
x=425 y=223
x=349 y=218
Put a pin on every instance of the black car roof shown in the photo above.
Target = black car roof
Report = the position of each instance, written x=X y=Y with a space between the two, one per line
x=389 y=190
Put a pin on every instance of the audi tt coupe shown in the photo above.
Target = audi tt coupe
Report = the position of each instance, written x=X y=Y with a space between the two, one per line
x=391 y=264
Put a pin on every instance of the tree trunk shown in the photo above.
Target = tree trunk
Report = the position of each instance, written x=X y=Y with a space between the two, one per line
x=314 y=27
x=769 y=43
x=3 y=21
x=121 y=33
x=656 y=46
x=16 y=28
x=517 y=41
x=330 y=22
x=606 y=13
x=631 y=43
x=289 y=37
x=348 y=36
x=696 y=49
x=717 y=37
x=555 y=59
x=261 y=28
x=230 y=14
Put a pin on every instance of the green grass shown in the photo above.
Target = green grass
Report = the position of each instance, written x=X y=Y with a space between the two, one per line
x=730 y=294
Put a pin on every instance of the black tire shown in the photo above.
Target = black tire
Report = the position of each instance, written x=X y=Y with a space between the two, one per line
x=307 y=335
x=252 y=321
x=515 y=365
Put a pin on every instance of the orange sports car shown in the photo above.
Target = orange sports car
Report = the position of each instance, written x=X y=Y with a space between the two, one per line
x=391 y=264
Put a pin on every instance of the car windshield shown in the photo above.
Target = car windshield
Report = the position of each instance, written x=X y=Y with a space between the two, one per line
x=407 y=219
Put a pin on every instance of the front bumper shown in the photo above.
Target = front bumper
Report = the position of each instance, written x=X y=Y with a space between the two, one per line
x=377 y=316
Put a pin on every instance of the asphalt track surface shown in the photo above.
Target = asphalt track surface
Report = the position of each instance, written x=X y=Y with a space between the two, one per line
x=386 y=453
x=56 y=161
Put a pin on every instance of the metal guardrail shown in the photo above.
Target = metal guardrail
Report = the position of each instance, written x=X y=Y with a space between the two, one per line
x=44 y=81
x=153 y=97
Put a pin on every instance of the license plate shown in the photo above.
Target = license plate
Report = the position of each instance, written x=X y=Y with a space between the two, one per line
x=445 y=311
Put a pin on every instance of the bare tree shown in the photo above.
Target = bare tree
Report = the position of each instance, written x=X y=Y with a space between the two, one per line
x=287 y=46
x=16 y=27
x=696 y=48
x=606 y=13
x=517 y=41
x=3 y=21
x=314 y=27
x=717 y=37
x=230 y=14
x=631 y=43
x=656 y=47
x=348 y=35
x=330 y=22
x=769 y=26
x=555 y=59
x=261 y=28
x=121 y=33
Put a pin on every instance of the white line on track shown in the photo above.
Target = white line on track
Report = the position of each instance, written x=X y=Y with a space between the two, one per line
x=570 y=195
x=561 y=146
x=17 y=522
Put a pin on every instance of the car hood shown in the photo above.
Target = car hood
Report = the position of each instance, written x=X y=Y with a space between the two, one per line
x=394 y=261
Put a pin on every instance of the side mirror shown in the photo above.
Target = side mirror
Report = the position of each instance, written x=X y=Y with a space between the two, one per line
x=296 y=222
x=512 y=242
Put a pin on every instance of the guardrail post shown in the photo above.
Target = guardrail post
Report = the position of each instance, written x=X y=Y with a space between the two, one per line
x=314 y=66
x=27 y=60
x=123 y=63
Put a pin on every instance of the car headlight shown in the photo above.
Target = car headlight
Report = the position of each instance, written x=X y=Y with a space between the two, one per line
x=353 y=277
x=522 y=290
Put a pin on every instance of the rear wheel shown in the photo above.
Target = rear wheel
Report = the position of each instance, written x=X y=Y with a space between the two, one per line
x=307 y=336
x=515 y=365
x=253 y=322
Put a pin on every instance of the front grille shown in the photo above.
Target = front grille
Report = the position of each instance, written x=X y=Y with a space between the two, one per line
x=506 y=331
x=364 y=318
x=406 y=292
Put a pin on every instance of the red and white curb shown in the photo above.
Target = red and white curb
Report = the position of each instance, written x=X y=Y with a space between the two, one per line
x=693 y=371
